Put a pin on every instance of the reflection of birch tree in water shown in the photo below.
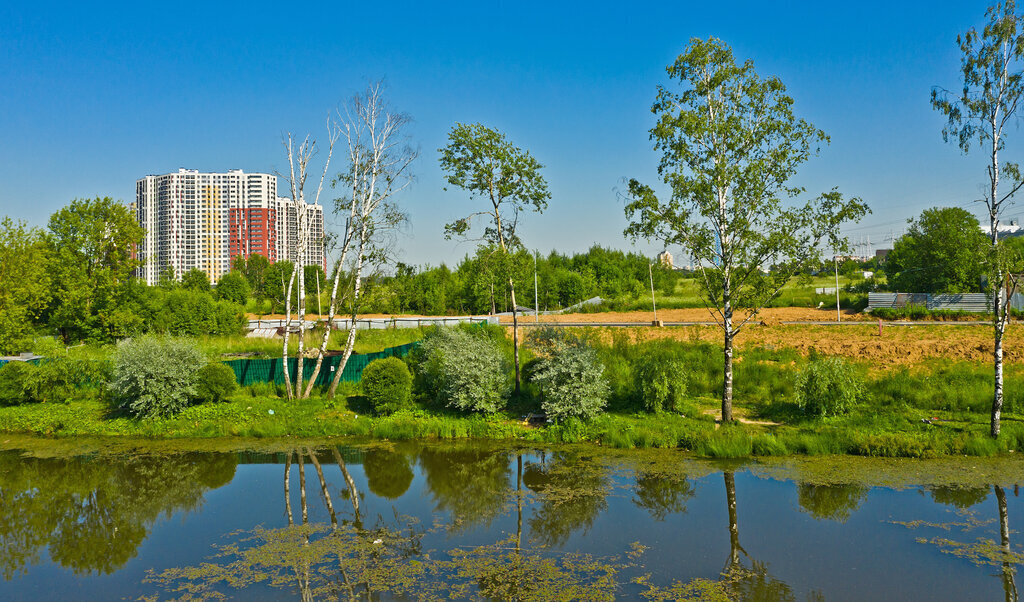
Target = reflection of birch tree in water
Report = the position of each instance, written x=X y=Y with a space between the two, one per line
x=754 y=582
x=471 y=484
x=983 y=551
x=1007 y=566
x=831 y=502
x=91 y=514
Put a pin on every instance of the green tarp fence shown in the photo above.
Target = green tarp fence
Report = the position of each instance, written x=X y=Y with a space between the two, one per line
x=248 y=372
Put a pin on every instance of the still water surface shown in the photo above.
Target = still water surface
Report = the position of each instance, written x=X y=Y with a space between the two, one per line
x=428 y=520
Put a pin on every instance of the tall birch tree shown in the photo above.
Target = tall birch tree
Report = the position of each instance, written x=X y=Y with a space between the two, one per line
x=481 y=161
x=380 y=158
x=299 y=158
x=978 y=115
x=730 y=145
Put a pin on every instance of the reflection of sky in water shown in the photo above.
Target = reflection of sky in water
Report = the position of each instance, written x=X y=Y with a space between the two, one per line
x=839 y=542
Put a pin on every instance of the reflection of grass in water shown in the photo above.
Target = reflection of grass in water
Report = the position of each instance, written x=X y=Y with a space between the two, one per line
x=349 y=562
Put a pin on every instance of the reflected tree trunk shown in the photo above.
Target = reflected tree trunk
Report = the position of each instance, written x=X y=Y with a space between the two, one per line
x=1009 y=583
x=734 y=531
x=323 y=488
x=302 y=488
x=353 y=492
x=288 y=488
x=519 y=501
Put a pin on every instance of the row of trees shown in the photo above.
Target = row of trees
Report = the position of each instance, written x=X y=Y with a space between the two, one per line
x=75 y=279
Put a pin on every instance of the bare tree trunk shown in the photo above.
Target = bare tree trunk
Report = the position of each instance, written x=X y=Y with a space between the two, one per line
x=301 y=271
x=350 y=342
x=727 y=352
x=287 y=333
x=328 y=327
x=997 y=354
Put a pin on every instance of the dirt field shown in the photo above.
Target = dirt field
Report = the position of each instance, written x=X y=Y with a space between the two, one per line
x=770 y=316
x=898 y=346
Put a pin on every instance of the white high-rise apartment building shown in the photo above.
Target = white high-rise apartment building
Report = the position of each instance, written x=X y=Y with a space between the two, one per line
x=204 y=220
x=288 y=233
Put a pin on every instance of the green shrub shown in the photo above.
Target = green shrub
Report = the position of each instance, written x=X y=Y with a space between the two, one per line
x=571 y=381
x=387 y=384
x=155 y=375
x=660 y=378
x=17 y=383
x=464 y=370
x=215 y=381
x=828 y=387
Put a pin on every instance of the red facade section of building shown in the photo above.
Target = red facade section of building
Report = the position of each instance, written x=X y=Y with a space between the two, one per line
x=252 y=231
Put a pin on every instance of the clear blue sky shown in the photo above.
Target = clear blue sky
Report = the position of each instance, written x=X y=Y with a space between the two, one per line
x=95 y=98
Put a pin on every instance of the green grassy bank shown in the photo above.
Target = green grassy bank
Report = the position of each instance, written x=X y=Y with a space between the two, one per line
x=932 y=409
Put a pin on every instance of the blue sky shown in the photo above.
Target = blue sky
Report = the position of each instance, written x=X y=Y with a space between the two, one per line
x=96 y=97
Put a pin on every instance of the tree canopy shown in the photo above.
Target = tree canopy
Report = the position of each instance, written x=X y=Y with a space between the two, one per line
x=944 y=251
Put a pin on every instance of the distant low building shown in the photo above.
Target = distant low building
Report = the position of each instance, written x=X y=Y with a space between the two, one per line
x=881 y=254
x=665 y=259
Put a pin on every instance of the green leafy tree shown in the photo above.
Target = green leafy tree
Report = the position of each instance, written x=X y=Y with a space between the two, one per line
x=93 y=244
x=481 y=161
x=233 y=287
x=660 y=377
x=943 y=252
x=195 y=280
x=731 y=144
x=256 y=269
x=24 y=282
x=993 y=85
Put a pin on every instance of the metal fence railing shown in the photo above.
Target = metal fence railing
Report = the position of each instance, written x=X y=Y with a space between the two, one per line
x=972 y=302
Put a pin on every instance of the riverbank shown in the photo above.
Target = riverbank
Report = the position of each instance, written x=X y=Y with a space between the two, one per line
x=917 y=402
x=892 y=434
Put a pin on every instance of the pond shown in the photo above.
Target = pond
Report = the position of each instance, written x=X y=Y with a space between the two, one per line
x=351 y=520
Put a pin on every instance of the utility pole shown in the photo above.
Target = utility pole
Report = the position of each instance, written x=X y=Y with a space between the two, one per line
x=650 y=273
x=835 y=260
x=536 y=297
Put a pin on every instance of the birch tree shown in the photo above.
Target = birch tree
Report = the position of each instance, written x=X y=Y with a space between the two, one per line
x=484 y=163
x=298 y=163
x=380 y=158
x=978 y=115
x=730 y=144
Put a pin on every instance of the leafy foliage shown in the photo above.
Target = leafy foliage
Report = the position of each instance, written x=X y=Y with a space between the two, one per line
x=828 y=387
x=464 y=370
x=24 y=282
x=571 y=379
x=16 y=383
x=660 y=378
x=943 y=252
x=387 y=383
x=215 y=381
x=156 y=375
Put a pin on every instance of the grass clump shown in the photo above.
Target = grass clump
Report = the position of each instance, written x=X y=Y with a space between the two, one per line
x=387 y=385
x=828 y=387
x=660 y=379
